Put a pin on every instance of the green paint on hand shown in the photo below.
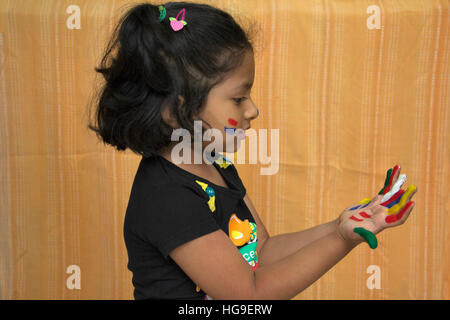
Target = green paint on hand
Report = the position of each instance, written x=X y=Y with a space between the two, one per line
x=386 y=182
x=368 y=236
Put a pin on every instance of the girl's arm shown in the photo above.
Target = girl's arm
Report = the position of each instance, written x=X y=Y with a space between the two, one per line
x=272 y=249
x=217 y=267
x=282 y=245
x=296 y=272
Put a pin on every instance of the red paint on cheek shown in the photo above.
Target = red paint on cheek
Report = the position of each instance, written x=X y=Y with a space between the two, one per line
x=395 y=217
x=232 y=121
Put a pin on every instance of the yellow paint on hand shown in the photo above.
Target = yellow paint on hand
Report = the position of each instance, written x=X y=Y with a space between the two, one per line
x=365 y=200
x=396 y=208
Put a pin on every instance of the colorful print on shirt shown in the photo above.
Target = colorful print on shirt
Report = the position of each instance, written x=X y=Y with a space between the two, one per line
x=244 y=233
x=211 y=194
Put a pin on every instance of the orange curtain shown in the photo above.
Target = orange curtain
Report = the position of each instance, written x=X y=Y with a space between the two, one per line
x=354 y=87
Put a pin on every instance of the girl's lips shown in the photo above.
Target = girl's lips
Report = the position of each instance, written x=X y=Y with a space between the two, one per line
x=234 y=129
x=230 y=130
x=239 y=132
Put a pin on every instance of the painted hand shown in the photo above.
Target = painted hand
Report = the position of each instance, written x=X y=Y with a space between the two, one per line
x=390 y=208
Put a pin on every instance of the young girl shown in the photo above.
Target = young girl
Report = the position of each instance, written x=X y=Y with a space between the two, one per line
x=190 y=229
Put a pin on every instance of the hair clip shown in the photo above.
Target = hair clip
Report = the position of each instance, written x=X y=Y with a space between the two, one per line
x=162 y=13
x=178 y=24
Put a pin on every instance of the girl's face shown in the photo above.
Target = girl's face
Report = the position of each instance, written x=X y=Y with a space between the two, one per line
x=229 y=107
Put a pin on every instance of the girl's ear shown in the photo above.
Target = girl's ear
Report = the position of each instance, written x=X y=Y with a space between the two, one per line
x=168 y=117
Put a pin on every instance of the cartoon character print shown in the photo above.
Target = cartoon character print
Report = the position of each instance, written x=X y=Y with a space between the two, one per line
x=243 y=234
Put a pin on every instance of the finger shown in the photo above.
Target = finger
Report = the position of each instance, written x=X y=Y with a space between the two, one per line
x=395 y=173
x=370 y=238
x=375 y=201
x=392 y=179
x=403 y=213
x=397 y=185
x=394 y=199
x=395 y=176
x=410 y=191
x=386 y=181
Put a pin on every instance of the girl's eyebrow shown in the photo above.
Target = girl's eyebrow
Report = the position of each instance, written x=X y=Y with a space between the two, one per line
x=245 y=85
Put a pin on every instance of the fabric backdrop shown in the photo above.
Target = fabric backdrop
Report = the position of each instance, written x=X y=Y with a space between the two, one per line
x=354 y=87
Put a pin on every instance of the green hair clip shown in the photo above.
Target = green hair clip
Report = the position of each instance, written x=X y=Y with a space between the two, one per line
x=162 y=13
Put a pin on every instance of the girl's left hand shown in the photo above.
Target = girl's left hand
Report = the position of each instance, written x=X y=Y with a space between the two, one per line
x=363 y=224
x=390 y=208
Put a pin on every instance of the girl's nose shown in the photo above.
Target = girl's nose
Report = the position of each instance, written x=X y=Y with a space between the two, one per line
x=252 y=112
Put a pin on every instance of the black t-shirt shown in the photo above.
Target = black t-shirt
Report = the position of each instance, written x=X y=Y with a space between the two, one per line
x=170 y=206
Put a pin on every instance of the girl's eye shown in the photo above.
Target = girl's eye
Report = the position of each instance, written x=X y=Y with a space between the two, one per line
x=239 y=100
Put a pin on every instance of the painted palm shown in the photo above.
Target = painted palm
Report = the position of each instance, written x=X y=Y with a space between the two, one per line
x=389 y=208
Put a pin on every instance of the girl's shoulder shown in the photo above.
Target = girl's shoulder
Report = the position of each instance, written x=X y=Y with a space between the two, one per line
x=157 y=177
x=163 y=180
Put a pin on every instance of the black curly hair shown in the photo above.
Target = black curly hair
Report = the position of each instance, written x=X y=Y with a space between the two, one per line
x=147 y=66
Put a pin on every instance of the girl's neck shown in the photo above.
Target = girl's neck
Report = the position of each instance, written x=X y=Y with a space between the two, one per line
x=203 y=169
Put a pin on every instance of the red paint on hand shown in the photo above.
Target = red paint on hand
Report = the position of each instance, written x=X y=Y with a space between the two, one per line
x=232 y=121
x=388 y=188
x=364 y=214
x=355 y=218
x=395 y=217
